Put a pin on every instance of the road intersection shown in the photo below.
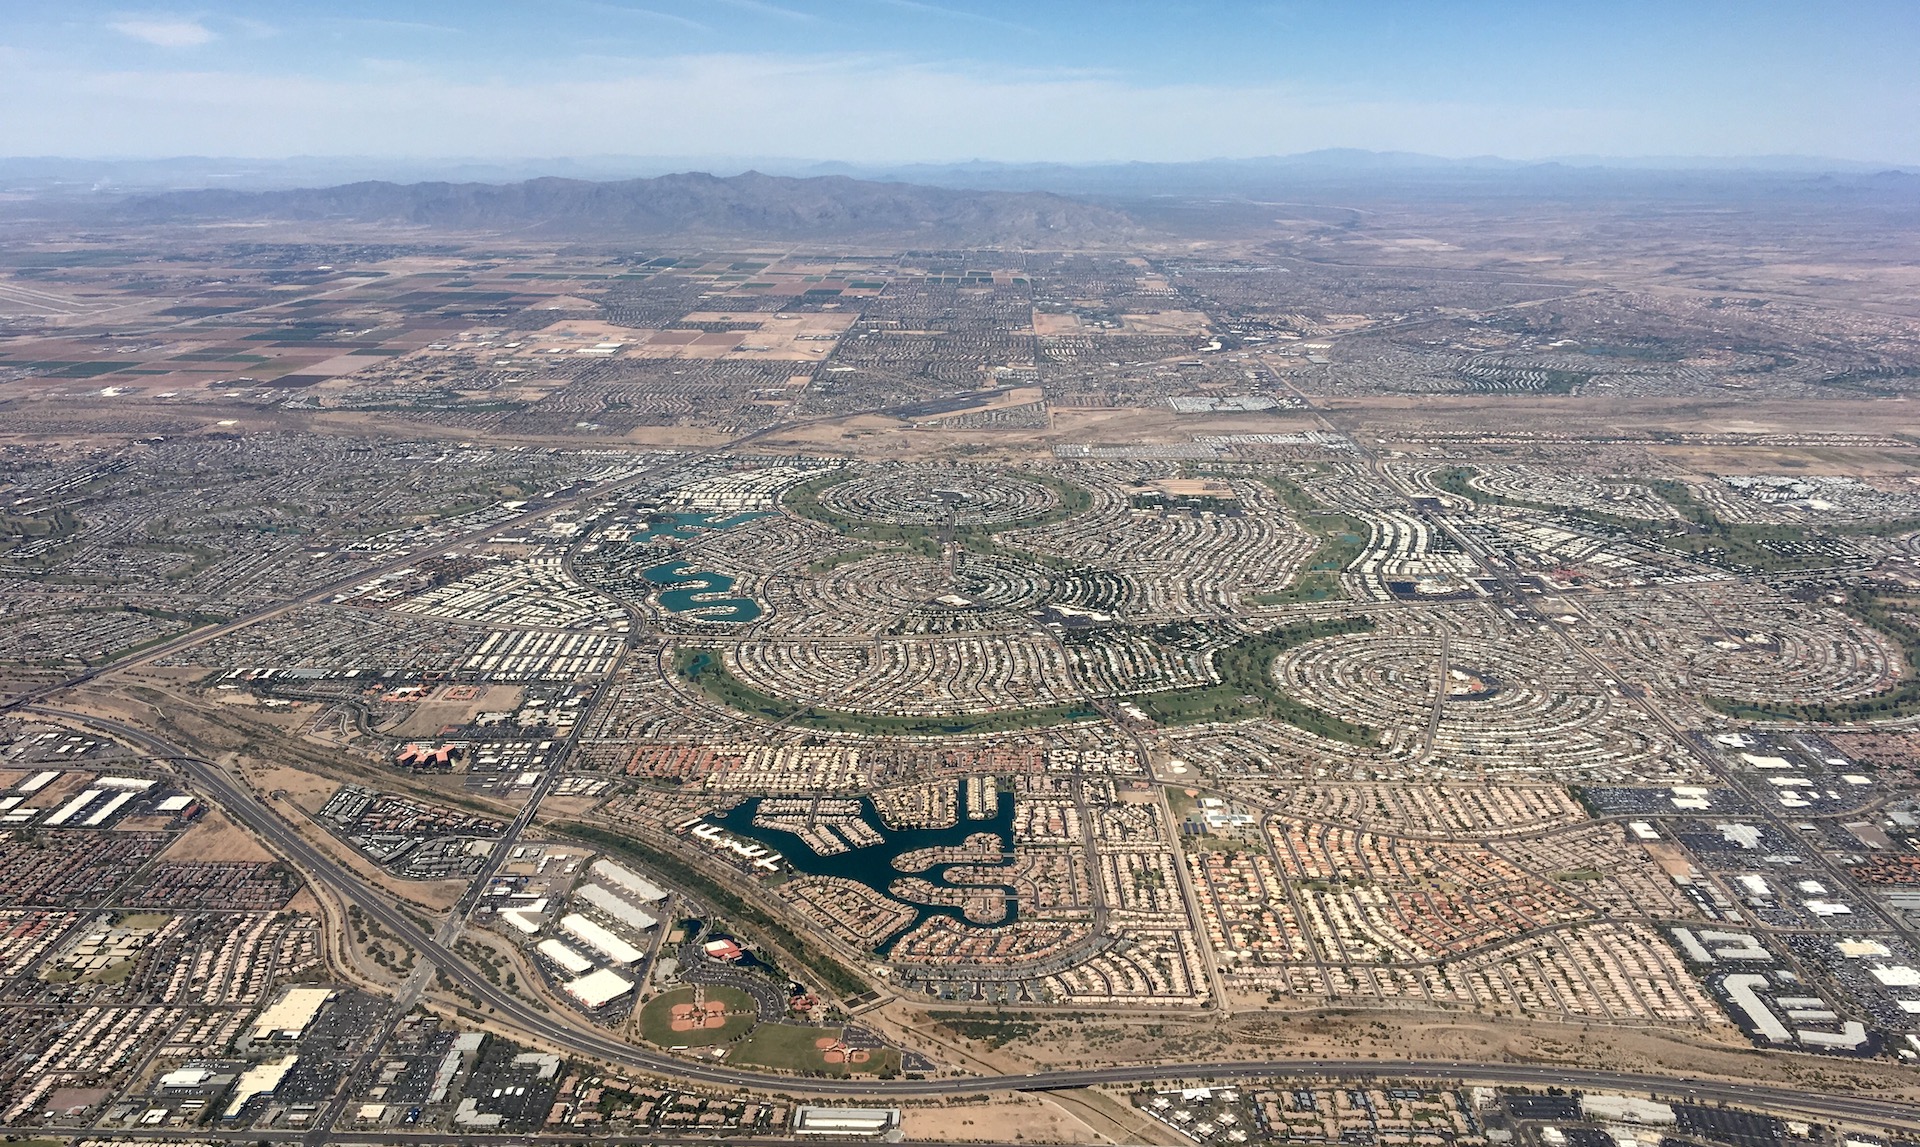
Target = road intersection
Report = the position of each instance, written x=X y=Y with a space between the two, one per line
x=510 y=1011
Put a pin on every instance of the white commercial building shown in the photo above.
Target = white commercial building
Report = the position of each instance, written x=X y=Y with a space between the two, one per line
x=615 y=906
x=871 y=1122
x=67 y=811
x=599 y=939
x=596 y=989
x=260 y=1079
x=632 y=883
x=288 y=1016
x=564 y=956
x=1627 y=1109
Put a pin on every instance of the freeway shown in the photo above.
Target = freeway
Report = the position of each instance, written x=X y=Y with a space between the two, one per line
x=241 y=804
x=203 y=634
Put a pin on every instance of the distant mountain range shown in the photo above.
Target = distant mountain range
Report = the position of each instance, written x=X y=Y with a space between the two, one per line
x=685 y=205
x=44 y=175
x=1391 y=173
x=1056 y=206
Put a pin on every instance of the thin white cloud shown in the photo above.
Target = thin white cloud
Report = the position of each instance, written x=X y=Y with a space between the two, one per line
x=396 y=25
x=955 y=14
x=165 y=33
x=762 y=8
x=886 y=110
x=603 y=6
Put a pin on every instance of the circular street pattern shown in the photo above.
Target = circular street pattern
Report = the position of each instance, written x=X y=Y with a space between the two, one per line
x=939 y=495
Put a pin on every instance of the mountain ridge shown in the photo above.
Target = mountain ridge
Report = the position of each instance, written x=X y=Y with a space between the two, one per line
x=749 y=205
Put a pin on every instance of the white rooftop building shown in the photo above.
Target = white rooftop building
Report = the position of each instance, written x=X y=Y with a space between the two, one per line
x=870 y=1122
x=287 y=1018
x=597 y=989
x=599 y=939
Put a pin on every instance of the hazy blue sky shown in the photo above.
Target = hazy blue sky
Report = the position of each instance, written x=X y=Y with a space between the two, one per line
x=902 y=80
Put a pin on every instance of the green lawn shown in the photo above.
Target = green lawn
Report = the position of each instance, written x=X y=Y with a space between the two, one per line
x=1891 y=614
x=1342 y=538
x=1246 y=690
x=146 y=920
x=704 y=669
x=115 y=973
x=804 y=500
x=835 y=561
x=1705 y=536
x=794 y=1048
x=656 y=1023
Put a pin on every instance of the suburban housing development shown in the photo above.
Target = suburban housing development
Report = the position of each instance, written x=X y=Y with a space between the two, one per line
x=1367 y=663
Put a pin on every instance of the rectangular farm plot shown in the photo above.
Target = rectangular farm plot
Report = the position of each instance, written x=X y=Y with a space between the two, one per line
x=799 y=337
x=1156 y=323
x=743 y=336
x=1165 y=323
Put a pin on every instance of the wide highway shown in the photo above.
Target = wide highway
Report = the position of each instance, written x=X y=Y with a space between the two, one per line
x=241 y=804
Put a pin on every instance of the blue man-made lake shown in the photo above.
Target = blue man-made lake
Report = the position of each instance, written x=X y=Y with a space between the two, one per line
x=700 y=593
x=704 y=594
x=688 y=525
x=873 y=865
